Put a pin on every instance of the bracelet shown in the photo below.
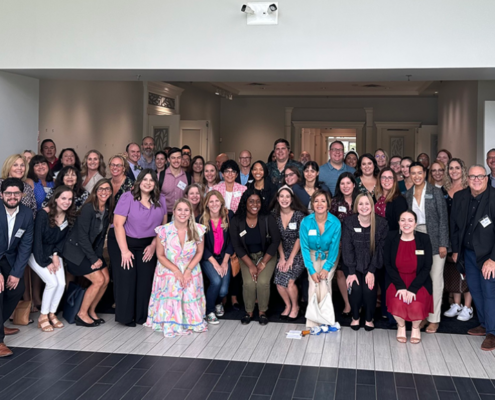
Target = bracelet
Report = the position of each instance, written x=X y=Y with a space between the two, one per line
x=261 y=262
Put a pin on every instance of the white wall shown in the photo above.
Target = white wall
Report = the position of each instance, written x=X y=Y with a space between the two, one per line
x=458 y=119
x=191 y=34
x=18 y=114
x=486 y=92
x=255 y=123
x=88 y=114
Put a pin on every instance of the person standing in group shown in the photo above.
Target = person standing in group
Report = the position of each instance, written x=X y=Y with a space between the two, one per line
x=351 y=159
x=288 y=212
x=310 y=183
x=71 y=177
x=366 y=174
x=177 y=302
x=394 y=164
x=428 y=203
x=277 y=168
x=40 y=178
x=175 y=181
x=50 y=230
x=133 y=152
x=49 y=151
x=212 y=177
x=83 y=250
x=304 y=157
x=161 y=166
x=216 y=255
x=185 y=163
x=27 y=155
x=381 y=158
x=330 y=171
x=473 y=245
x=424 y=159
x=131 y=247
x=292 y=176
x=342 y=206
x=444 y=156
x=229 y=188
x=67 y=158
x=437 y=174
x=197 y=169
x=408 y=260
x=263 y=184
x=255 y=238
x=245 y=163
x=147 y=159
x=363 y=238
x=320 y=239
x=121 y=183
x=15 y=167
x=93 y=169
x=194 y=193
x=406 y=183
x=219 y=160
x=16 y=243
x=490 y=161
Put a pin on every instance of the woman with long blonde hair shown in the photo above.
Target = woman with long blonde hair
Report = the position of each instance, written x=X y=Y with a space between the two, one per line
x=93 y=169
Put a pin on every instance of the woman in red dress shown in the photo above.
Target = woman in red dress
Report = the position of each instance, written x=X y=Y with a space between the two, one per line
x=408 y=258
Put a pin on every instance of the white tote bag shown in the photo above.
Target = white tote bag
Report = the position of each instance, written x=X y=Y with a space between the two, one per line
x=321 y=312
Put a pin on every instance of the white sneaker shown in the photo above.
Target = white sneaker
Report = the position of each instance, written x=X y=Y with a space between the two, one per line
x=219 y=311
x=211 y=318
x=466 y=314
x=454 y=310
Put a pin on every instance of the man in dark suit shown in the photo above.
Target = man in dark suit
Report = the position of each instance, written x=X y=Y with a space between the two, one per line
x=472 y=225
x=16 y=240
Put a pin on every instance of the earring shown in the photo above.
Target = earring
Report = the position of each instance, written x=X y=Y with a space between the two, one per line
x=400 y=232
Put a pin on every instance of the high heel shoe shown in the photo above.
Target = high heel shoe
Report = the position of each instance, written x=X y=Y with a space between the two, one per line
x=80 y=322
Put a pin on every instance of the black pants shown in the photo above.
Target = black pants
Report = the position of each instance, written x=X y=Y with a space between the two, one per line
x=361 y=295
x=8 y=298
x=131 y=287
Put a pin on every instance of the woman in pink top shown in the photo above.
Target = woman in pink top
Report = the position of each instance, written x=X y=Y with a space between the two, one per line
x=229 y=188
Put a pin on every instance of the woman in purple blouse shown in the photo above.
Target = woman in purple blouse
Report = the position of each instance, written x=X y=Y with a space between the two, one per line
x=131 y=247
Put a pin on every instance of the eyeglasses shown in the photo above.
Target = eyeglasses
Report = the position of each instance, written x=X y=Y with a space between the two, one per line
x=229 y=171
x=12 y=194
x=387 y=178
x=380 y=156
x=116 y=165
x=104 y=189
x=476 y=177
x=289 y=175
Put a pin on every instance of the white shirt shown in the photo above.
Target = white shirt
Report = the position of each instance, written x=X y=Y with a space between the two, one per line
x=228 y=199
x=11 y=222
x=419 y=209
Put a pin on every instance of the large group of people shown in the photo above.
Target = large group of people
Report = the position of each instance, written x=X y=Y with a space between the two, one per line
x=187 y=238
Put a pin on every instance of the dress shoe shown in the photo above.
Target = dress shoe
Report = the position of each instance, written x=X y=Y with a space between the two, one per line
x=246 y=319
x=236 y=306
x=99 y=321
x=80 y=322
x=10 y=331
x=5 y=351
x=478 y=331
x=368 y=328
x=489 y=343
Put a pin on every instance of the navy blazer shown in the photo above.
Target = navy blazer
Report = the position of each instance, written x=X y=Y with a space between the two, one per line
x=20 y=248
x=227 y=247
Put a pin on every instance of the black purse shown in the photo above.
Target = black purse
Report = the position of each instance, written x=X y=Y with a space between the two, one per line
x=75 y=295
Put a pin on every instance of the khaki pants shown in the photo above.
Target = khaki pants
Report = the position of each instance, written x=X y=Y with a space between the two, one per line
x=260 y=289
x=323 y=287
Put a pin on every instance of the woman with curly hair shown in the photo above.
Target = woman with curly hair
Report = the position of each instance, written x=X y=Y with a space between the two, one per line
x=50 y=230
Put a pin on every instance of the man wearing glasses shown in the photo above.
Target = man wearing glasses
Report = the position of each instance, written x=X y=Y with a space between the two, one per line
x=16 y=240
x=472 y=225
x=330 y=171
x=276 y=168
x=490 y=160
x=245 y=163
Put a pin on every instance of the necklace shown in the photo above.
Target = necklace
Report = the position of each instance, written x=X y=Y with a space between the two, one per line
x=251 y=225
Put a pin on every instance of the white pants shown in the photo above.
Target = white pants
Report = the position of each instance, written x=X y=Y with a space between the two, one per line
x=437 y=281
x=55 y=285
x=323 y=288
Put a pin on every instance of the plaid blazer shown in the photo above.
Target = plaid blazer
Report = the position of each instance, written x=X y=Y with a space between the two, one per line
x=236 y=193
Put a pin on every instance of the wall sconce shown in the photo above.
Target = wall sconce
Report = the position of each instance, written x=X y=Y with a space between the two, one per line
x=261 y=13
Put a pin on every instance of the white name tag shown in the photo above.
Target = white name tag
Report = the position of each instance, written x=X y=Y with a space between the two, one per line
x=358 y=230
x=420 y=252
x=237 y=194
x=64 y=225
x=485 y=222
x=181 y=185
x=242 y=233
x=250 y=181
x=19 y=233
x=342 y=209
x=312 y=232
x=428 y=196
x=292 y=225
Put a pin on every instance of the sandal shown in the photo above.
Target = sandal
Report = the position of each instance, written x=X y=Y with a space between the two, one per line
x=401 y=339
x=44 y=324
x=432 y=328
x=415 y=339
x=54 y=321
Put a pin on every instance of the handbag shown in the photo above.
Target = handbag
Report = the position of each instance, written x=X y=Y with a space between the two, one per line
x=23 y=309
x=321 y=312
x=235 y=264
x=75 y=295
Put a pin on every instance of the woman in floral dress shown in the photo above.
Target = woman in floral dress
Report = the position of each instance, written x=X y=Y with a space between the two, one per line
x=177 y=303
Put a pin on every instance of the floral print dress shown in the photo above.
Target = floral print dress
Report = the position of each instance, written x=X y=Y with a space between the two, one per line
x=173 y=309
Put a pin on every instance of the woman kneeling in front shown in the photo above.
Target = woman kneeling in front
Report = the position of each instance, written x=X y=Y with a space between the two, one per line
x=408 y=258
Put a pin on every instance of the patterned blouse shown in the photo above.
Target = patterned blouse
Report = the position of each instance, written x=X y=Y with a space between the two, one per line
x=362 y=188
x=340 y=209
x=125 y=187
x=381 y=207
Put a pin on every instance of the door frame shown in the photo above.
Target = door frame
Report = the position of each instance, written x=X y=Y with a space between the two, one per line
x=204 y=127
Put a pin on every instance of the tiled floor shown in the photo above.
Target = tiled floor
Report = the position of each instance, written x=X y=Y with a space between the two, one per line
x=66 y=374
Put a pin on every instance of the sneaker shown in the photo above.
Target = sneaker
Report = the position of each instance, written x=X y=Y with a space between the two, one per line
x=453 y=311
x=211 y=318
x=219 y=311
x=466 y=314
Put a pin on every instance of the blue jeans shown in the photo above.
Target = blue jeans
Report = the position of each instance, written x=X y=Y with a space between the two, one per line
x=482 y=290
x=219 y=287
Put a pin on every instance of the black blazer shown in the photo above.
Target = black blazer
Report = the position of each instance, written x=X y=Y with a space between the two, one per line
x=238 y=225
x=483 y=238
x=161 y=177
x=47 y=240
x=393 y=211
x=424 y=262
x=20 y=248
x=80 y=241
x=267 y=194
x=210 y=242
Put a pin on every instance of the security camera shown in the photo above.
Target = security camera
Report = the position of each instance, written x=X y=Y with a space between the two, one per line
x=246 y=9
x=272 y=8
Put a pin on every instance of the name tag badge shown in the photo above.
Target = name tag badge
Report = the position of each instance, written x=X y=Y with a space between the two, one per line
x=428 y=196
x=181 y=185
x=358 y=230
x=64 y=225
x=485 y=221
x=242 y=233
x=342 y=209
x=312 y=232
x=292 y=225
x=420 y=252
x=250 y=181
x=19 y=233
x=237 y=194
